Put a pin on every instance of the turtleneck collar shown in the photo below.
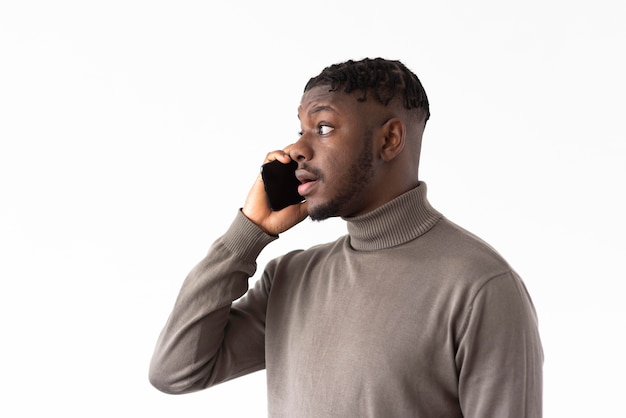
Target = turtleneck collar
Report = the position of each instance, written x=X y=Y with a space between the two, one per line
x=396 y=222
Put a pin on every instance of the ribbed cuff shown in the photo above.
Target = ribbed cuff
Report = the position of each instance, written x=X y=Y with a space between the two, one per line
x=246 y=239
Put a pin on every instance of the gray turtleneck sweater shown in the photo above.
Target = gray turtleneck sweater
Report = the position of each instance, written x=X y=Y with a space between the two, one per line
x=406 y=316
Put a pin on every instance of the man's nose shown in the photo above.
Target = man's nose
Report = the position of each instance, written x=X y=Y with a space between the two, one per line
x=301 y=150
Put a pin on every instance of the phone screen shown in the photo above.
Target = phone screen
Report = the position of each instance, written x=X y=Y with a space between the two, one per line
x=281 y=184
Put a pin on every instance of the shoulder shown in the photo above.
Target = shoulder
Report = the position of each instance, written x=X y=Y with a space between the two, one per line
x=463 y=252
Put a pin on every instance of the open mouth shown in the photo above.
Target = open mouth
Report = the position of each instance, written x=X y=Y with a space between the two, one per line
x=305 y=176
x=307 y=180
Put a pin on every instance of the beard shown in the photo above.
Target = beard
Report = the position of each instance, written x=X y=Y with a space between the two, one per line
x=358 y=176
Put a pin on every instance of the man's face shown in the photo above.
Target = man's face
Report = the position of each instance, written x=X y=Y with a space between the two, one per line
x=335 y=153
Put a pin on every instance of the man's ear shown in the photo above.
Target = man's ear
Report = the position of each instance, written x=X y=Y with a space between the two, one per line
x=394 y=137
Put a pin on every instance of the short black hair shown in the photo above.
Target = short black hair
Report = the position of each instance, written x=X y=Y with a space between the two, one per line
x=384 y=79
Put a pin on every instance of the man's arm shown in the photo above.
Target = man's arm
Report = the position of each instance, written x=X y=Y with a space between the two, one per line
x=500 y=357
x=206 y=340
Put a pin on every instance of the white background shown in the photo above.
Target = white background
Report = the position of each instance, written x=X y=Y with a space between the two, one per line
x=131 y=132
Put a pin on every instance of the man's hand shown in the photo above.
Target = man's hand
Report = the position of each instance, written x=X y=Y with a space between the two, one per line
x=257 y=208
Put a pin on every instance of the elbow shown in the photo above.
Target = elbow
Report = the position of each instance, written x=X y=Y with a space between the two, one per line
x=175 y=374
x=162 y=383
x=166 y=382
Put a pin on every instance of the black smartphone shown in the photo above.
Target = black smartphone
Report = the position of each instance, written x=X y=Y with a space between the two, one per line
x=281 y=184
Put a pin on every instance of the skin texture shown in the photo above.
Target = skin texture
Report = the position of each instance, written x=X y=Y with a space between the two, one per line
x=353 y=156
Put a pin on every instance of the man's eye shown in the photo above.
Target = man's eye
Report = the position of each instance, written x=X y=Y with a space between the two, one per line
x=324 y=129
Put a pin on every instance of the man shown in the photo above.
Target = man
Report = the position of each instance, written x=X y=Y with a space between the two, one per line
x=408 y=315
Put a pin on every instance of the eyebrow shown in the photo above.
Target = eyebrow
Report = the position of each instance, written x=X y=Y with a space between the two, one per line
x=322 y=108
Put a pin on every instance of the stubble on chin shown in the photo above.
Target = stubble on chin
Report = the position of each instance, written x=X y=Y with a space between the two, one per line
x=351 y=185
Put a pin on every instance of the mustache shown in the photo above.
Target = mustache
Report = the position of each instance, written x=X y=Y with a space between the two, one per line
x=317 y=173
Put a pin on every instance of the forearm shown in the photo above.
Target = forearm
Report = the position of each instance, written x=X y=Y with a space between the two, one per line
x=189 y=354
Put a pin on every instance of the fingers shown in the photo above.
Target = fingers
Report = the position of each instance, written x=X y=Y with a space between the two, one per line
x=279 y=222
x=280 y=155
x=274 y=223
x=256 y=207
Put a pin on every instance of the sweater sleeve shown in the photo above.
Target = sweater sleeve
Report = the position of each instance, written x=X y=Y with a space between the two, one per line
x=500 y=358
x=207 y=339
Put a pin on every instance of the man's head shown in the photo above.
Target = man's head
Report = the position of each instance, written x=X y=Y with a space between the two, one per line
x=362 y=124
x=382 y=80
